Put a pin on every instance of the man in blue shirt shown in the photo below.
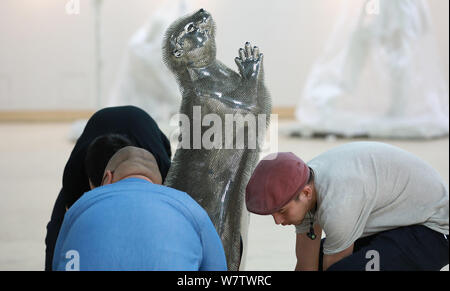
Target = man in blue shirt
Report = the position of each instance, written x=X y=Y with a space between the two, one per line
x=107 y=131
x=132 y=222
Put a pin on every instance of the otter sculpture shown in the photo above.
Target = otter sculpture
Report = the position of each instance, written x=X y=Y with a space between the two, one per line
x=216 y=177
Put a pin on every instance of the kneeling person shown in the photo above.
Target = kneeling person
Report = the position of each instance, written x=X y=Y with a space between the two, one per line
x=380 y=207
x=132 y=222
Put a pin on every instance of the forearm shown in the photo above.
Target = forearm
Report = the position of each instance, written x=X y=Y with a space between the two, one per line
x=308 y=251
x=309 y=261
x=307 y=265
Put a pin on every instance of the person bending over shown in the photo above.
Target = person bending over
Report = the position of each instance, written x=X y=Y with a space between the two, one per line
x=132 y=222
x=381 y=208
x=108 y=130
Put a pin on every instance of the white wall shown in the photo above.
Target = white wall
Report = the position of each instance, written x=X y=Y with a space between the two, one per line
x=48 y=57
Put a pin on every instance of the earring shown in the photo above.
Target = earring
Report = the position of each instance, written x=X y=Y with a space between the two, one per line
x=311 y=233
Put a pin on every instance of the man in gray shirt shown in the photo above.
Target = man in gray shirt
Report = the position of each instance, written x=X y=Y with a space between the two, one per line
x=381 y=208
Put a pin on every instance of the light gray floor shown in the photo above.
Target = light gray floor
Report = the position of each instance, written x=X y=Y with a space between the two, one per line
x=33 y=156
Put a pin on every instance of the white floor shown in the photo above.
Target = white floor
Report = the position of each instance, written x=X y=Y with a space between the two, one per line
x=33 y=156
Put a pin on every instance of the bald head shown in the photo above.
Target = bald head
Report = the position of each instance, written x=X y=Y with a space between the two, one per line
x=132 y=161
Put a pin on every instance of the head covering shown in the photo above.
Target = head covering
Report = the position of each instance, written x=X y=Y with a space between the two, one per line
x=130 y=121
x=275 y=181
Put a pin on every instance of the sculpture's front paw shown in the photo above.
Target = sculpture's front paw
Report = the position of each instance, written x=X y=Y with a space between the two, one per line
x=249 y=62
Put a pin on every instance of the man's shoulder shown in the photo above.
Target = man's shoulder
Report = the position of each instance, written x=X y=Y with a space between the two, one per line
x=179 y=200
x=134 y=193
x=141 y=186
x=176 y=198
x=136 y=188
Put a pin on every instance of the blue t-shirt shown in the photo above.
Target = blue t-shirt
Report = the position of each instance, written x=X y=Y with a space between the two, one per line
x=136 y=225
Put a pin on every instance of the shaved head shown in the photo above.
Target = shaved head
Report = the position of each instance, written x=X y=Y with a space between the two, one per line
x=130 y=161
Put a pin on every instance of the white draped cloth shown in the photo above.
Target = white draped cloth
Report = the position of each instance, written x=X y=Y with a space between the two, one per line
x=378 y=76
x=144 y=80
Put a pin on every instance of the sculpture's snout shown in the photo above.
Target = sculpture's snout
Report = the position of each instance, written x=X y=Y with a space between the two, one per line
x=202 y=13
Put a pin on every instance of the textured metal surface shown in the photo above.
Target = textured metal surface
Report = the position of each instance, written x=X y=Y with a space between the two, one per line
x=216 y=178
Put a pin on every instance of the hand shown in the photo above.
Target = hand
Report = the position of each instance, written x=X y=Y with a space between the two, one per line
x=249 y=62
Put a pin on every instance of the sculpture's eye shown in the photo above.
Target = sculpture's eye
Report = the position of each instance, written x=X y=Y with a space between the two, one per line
x=178 y=53
x=190 y=27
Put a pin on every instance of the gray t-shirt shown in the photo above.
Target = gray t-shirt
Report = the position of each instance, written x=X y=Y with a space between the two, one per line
x=367 y=187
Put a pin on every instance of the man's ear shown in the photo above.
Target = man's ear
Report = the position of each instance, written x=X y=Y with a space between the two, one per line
x=156 y=177
x=91 y=185
x=107 y=178
x=306 y=193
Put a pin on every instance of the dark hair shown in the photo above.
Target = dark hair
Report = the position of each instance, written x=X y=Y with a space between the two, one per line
x=100 y=152
x=311 y=176
x=310 y=180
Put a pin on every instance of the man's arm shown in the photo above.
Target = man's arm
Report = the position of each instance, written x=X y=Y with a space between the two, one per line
x=307 y=251
x=329 y=260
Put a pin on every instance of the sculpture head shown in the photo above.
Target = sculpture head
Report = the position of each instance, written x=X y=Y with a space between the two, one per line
x=189 y=42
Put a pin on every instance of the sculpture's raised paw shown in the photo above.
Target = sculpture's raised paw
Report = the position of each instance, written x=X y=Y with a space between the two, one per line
x=249 y=61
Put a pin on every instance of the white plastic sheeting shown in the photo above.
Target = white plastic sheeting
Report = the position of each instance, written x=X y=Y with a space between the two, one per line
x=144 y=80
x=379 y=75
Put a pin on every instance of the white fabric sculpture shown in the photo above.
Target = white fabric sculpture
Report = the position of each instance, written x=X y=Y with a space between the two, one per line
x=379 y=76
x=144 y=79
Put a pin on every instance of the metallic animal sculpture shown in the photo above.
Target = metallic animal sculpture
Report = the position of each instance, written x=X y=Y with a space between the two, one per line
x=216 y=177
